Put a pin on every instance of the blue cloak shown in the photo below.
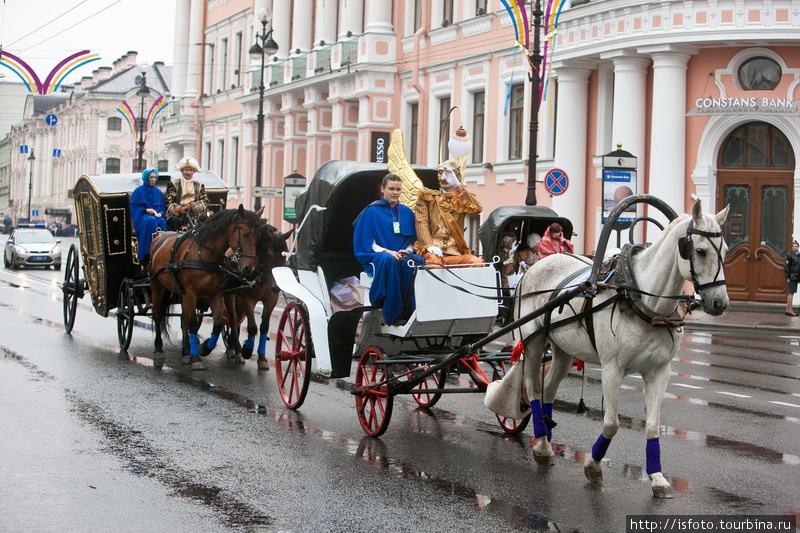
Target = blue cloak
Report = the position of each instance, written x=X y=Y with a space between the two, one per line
x=391 y=279
x=146 y=197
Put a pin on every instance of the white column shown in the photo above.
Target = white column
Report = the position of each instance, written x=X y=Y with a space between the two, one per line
x=379 y=16
x=570 y=154
x=327 y=12
x=668 y=130
x=193 y=66
x=351 y=14
x=181 y=51
x=281 y=22
x=301 y=33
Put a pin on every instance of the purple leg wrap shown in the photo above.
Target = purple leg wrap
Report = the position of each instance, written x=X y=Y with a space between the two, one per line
x=547 y=410
x=262 y=343
x=250 y=342
x=539 y=427
x=653 y=453
x=212 y=341
x=600 y=447
x=194 y=348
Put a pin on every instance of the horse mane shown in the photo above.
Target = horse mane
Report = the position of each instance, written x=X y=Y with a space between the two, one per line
x=271 y=246
x=220 y=222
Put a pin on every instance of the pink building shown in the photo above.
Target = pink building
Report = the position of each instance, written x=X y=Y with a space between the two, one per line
x=703 y=94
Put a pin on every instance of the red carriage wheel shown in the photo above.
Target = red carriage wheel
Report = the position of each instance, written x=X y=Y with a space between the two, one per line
x=510 y=425
x=422 y=394
x=373 y=401
x=293 y=354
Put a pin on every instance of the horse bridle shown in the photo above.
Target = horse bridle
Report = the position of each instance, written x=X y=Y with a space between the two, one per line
x=238 y=254
x=686 y=249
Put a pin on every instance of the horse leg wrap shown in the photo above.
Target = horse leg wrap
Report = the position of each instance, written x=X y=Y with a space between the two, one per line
x=547 y=412
x=250 y=342
x=539 y=427
x=194 y=348
x=262 y=343
x=212 y=341
x=600 y=447
x=653 y=452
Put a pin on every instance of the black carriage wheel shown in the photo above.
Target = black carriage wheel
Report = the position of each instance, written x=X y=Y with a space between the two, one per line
x=71 y=289
x=510 y=425
x=293 y=354
x=422 y=394
x=125 y=314
x=374 y=401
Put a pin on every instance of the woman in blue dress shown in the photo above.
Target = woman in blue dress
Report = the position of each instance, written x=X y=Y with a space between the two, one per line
x=383 y=242
x=147 y=211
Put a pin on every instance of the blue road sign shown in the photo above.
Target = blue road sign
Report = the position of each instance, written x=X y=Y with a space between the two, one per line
x=556 y=182
x=51 y=120
x=34 y=212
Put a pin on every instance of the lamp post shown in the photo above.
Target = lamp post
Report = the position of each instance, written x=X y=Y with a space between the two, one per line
x=30 y=185
x=143 y=92
x=268 y=47
x=530 y=198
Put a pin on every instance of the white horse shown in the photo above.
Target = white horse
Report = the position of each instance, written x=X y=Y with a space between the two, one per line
x=692 y=249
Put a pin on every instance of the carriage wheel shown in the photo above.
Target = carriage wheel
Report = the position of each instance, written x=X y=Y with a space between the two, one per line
x=510 y=425
x=373 y=400
x=423 y=396
x=293 y=354
x=72 y=288
x=125 y=313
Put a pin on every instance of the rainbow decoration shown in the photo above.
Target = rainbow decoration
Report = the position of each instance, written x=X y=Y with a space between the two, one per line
x=127 y=113
x=56 y=76
x=157 y=107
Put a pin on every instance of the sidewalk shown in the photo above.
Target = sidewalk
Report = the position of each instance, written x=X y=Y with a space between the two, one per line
x=747 y=315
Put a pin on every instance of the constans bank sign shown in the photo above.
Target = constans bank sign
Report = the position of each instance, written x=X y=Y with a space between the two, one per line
x=753 y=104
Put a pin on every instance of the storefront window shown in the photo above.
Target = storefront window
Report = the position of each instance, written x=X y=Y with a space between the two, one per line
x=759 y=74
x=766 y=147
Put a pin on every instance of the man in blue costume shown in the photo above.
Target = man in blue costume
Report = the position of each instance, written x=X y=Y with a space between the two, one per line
x=383 y=240
x=147 y=211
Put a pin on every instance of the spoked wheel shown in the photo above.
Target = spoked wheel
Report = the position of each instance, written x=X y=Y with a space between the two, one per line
x=72 y=288
x=422 y=394
x=293 y=354
x=125 y=314
x=373 y=401
x=510 y=425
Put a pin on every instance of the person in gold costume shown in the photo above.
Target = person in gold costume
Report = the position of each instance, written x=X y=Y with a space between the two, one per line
x=440 y=220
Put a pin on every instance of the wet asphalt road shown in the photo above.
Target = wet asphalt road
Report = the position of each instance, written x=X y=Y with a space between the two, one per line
x=98 y=440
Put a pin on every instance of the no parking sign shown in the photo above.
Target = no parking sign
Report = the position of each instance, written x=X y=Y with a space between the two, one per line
x=556 y=182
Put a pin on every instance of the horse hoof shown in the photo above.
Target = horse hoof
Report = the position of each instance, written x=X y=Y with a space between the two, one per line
x=543 y=460
x=186 y=359
x=593 y=474
x=230 y=353
x=239 y=359
x=158 y=359
x=263 y=364
x=204 y=349
x=247 y=353
x=197 y=364
x=664 y=493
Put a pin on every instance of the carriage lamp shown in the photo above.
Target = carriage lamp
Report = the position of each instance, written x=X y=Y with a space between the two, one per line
x=460 y=143
x=268 y=47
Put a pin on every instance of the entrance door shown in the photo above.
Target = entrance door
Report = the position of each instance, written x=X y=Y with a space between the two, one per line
x=758 y=186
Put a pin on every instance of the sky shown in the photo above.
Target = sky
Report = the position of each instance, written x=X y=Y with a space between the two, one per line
x=43 y=32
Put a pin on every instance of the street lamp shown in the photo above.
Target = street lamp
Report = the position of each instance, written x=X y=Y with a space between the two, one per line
x=143 y=92
x=30 y=185
x=268 y=47
x=460 y=143
x=530 y=198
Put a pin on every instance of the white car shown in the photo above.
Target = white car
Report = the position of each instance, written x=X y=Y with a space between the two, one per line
x=32 y=248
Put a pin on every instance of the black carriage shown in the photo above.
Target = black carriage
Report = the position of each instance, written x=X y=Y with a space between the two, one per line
x=112 y=274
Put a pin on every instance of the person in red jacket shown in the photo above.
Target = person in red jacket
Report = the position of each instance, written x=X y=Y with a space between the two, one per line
x=554 y=242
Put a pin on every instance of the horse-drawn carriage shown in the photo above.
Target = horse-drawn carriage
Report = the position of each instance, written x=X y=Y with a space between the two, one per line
x=112 y=273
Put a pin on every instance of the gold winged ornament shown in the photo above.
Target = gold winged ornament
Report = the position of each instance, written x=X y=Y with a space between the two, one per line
x=399 y=164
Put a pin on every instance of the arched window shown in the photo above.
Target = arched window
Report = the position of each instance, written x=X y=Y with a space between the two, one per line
x=114 y=124
x=756 y=145
x=112 y=165
x=759 y=74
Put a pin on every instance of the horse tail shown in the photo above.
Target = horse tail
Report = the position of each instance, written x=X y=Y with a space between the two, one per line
x=165 y=308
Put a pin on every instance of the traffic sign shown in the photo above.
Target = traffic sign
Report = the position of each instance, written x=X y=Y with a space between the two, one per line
x=51 y=120
x=268 y=192
x=556 y=182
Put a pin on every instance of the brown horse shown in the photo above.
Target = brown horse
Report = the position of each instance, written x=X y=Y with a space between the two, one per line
x=271 y=248
x=194 y=265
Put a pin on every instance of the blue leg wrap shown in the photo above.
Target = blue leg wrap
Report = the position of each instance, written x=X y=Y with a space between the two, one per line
x=539 y=427
x=194 y=348
x=547 y=410
x=262 y=343
x=600 y=447
x=653 y=453
x=212 y=341
x=250 y=342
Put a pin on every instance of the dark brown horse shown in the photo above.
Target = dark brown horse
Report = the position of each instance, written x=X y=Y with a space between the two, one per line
x=271 y=248
x=194 y=265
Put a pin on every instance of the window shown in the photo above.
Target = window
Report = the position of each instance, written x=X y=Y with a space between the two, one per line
x=233 y=180
x=220 y=163
x=480 y=7
x=759 y=74
x=112 y=165
x=163 y=165
x=444 y=109
x=478 y=119
x=237 y=73
x=417 y=15
x=515 y=120
x=447 y=11
x=757 y=145
x=224 y=64
x=206 y=155
x=114 y=124
x=413 y=133
x=209 y=86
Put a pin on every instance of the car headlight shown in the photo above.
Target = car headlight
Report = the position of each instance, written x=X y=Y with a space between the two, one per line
x=20 y=249
x=56 y=251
